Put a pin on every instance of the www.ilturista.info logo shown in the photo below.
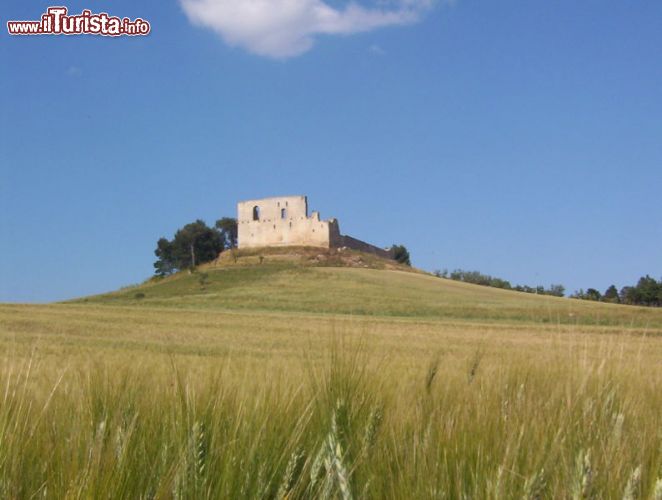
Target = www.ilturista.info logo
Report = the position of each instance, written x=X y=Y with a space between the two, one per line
x=57 y=21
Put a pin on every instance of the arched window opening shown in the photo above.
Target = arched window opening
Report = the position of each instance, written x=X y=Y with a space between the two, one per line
x=256 y=213
x=283 y=213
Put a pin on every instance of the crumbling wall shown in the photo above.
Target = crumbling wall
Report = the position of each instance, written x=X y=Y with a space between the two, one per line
x=353 y=243
x=281 y=221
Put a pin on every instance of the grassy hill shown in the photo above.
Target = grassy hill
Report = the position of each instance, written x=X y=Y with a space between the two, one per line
x=308 y=374
x=311 y=281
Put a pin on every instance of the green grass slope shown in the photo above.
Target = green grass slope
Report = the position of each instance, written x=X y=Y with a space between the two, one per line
x=361 y=285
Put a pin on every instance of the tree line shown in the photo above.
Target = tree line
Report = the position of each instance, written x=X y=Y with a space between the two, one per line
x=478 y=278
x=647 y=292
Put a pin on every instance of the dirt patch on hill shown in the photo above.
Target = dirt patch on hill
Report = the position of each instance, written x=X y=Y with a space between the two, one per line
x=307 y=256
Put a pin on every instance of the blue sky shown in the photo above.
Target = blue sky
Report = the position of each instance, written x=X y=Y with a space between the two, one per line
x=519 y=138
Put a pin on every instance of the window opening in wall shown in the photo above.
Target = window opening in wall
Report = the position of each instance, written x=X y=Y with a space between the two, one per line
x=256 y=213
x=283 y=213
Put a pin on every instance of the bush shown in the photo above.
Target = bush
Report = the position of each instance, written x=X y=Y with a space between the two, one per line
x=401 y=254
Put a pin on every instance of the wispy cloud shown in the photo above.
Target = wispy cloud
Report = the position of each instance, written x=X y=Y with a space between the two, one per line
x=288 y=28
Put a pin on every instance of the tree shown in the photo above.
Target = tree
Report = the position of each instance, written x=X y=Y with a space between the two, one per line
x=648 y=290
x=592 y=294
x=628 y=295
x=401 y=254
x=556 y=290
x=611 y=295
x=229 y=231
x=194 y=244
x=165 y=263
x=499 y=283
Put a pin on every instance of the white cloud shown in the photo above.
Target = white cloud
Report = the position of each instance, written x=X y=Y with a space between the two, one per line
x=287 y=28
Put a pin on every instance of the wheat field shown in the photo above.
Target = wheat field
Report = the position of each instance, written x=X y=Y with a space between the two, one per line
x=290 y=382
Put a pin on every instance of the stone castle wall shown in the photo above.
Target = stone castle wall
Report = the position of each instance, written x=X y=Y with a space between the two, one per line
x=349 y=242
x=284 y=221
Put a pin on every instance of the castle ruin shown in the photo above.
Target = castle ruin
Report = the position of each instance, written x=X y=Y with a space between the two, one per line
x=284 y=221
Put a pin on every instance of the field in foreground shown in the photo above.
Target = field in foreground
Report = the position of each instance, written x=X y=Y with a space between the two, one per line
x=277 y=384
